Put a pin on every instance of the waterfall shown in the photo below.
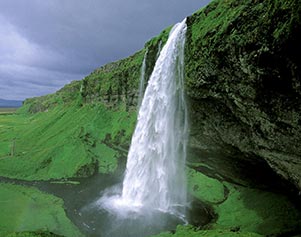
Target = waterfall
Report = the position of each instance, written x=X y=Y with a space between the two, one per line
x=159 y=49
x=155 y=172
x=142 y=75
x=142 y=81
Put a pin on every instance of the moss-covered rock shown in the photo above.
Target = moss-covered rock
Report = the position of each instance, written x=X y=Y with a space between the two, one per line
x=258 y=211
x=243 y=210
x=243 y=81
x=204 y=188
x=242 y=78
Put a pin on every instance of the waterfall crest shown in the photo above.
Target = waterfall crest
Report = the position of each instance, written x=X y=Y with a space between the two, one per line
x=155 y=173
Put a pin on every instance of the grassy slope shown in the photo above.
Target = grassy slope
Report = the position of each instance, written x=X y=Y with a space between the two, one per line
x=24 y=209
x=72 y=129
x=66 y=141
x=78 y=129
x=112 y=84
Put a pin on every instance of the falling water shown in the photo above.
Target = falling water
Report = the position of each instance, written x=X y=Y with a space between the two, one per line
x=142 y=75
x=159 y=49
x=155 y=176
x=142 y=80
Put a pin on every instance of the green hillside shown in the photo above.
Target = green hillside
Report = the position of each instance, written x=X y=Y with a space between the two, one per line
x=242 y=75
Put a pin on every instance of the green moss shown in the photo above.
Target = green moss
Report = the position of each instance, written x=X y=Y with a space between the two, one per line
x=87 y=123
x=233 y=212
x=114 y=84
x=189 y=231
x=107 y=159
x=204 y=188
x=257 y=211
x=5 y=149
x=27 y=209
x=242 y=209
x=226 y=34
x=33 y=234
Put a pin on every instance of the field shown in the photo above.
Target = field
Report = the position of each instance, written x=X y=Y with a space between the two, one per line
x=4 y=111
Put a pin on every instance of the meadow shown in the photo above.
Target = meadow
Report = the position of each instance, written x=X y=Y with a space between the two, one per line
x=4 y=111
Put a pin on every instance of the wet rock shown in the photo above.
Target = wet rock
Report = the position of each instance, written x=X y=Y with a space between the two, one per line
x=243 y=82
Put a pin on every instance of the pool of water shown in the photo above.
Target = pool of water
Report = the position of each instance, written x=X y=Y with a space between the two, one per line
x=93 y=221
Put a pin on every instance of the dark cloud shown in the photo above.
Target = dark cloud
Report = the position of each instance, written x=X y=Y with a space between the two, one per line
x=46 y=44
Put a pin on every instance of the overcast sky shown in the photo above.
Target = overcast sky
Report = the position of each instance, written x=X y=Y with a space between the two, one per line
x=45 y=44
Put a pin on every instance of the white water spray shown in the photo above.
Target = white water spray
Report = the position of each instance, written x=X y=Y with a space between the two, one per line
x=155 y=173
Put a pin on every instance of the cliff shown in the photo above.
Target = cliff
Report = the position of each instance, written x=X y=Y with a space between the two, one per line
x=242 y=81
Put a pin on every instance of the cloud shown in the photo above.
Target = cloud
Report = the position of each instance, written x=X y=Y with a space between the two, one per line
x=25 y=81
x=15 y=48
x=52 y=42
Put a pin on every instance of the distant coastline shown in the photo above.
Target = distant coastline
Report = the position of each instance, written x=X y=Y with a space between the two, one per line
x=10 y=103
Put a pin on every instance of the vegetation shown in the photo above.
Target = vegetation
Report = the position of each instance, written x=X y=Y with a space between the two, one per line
x=93 y=118
x=25 y=208
x=204 y=188
x=243 y=77
x=258 y=211
x=113 y=85
x=4 y=111
x=189 y=231
x=33 y=234
x=243 y=85
x=244 y=209
x=66 y=141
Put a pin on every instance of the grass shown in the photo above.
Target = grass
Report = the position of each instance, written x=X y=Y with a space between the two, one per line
x=74 y=132
x=33 y=234
x=189 y=231
x=28 y=209
x=80 y=129
x=241 y=211
x=64 y=142
x=204 y=188
x=226 y=30
x=4 y=111
x=257 y=211
x=243 y=208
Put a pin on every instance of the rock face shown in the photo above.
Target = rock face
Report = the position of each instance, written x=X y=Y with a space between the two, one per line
x=243 y=69
x=243 y=81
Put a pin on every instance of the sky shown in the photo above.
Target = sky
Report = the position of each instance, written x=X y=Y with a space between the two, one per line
x=45 y=44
